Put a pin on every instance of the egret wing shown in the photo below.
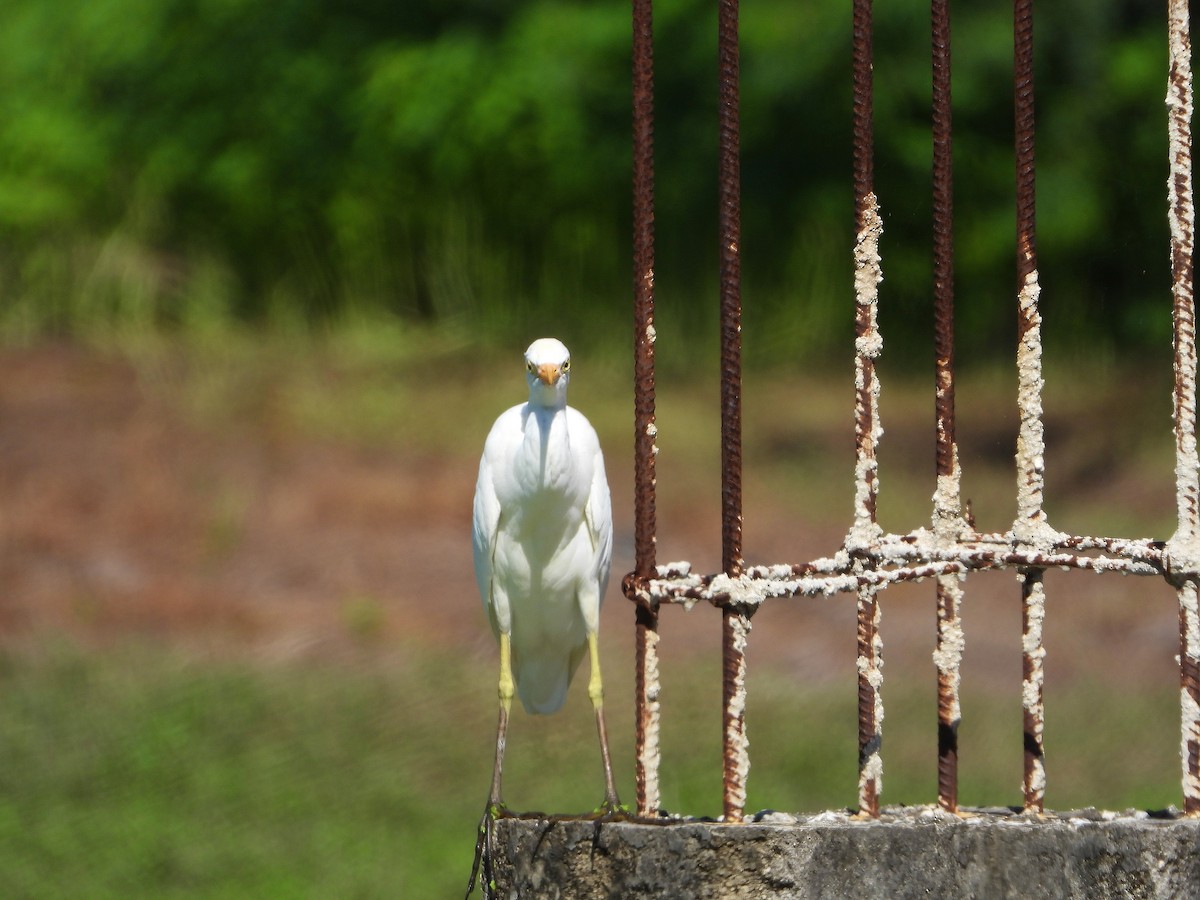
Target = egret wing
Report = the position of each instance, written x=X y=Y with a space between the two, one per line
x=599 y=521
x=485 y=528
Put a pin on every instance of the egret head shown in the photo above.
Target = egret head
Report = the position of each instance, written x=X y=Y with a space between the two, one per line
x=547 y=370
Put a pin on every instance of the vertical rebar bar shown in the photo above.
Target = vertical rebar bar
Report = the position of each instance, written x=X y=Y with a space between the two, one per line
x=943 y=252
x=870 y=702
x=947 y=514
x=1031 y=527
x=735 y=630
x=735 y=622
x=1033 y=615
x=645 y=430
x=1185 y=544
x=864 y=138
x=868 y=344
x=948 y=659
x=646 y=722
x=729 y=224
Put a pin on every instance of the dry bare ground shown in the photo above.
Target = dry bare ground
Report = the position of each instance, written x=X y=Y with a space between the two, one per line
x=121 y=513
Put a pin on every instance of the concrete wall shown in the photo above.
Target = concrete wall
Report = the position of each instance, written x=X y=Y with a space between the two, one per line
x=908 y=853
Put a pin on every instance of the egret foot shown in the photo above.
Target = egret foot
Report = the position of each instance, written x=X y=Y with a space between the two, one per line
x=611 y=812
x=485 y=850
x=483 y=856
x=495 y=809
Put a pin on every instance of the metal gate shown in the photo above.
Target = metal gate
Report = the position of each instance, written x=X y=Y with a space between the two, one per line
x=949 y=548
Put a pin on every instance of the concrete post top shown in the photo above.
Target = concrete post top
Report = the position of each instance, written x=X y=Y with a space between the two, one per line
x=907 y=852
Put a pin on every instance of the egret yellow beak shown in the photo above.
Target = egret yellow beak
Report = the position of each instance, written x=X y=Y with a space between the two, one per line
x=549 y=373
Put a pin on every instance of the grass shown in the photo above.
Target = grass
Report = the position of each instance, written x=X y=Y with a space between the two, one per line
x=134 y=773
x=137 y=773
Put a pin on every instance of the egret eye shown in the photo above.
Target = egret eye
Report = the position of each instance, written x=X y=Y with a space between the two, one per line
x=566 y=367
x=529 y=367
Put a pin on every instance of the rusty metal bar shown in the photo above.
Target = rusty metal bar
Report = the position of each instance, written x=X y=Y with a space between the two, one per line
x=1033 y=615
x=948 y=524
x=1184 y=546
x=900 y=560
x=870 y=702
x=1031 y=527
x=645 y=429
x=864 y=138
x=871 y=560
x=947 y=658
x=868 y=343
x=735 y=622
x=735 y=631
x=647 y=713
x=943 y=254
x=729 y=224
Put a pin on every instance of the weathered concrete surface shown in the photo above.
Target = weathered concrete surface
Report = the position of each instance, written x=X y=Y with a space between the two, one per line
x=911 y=853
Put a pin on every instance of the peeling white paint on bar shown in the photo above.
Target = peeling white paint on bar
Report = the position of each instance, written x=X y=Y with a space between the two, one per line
x=949 y=528
x=1181 y=216
x=1031 y=528
x=948 y=522
x=740 y=590
x=867 y=345
x=1037 y=782
x=870 y=669
x=1033 y=685
x=951 y=641
x=1031 y=641
x=1183 y=549
x=872 y=773
x=901 y=558
x=649 y=754
x=1190 y=619
x=735 y=726
x=1191 y=714
x=652 y=433
x=868 y=273
x=674 y=569
x=1189 y=704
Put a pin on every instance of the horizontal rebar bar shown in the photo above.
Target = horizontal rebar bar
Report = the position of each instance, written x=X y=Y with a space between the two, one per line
x=898 y=558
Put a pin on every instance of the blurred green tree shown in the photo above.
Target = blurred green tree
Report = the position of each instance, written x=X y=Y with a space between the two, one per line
x=466 y=159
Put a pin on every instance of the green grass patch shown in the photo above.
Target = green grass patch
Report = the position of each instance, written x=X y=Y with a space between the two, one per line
x=135 y=773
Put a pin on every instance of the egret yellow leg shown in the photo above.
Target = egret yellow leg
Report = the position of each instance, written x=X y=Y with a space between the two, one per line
x=505 y=689
x=483 y=843
x=595 y=683
x=507 y=686
x=596 y=692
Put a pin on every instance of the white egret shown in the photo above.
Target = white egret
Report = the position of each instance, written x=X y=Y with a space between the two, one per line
x=543 y=549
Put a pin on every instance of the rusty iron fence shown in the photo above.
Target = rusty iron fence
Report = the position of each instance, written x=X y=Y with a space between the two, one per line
x=949 y=548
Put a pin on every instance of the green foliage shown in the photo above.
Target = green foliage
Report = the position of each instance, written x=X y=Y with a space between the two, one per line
x=191 y=162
